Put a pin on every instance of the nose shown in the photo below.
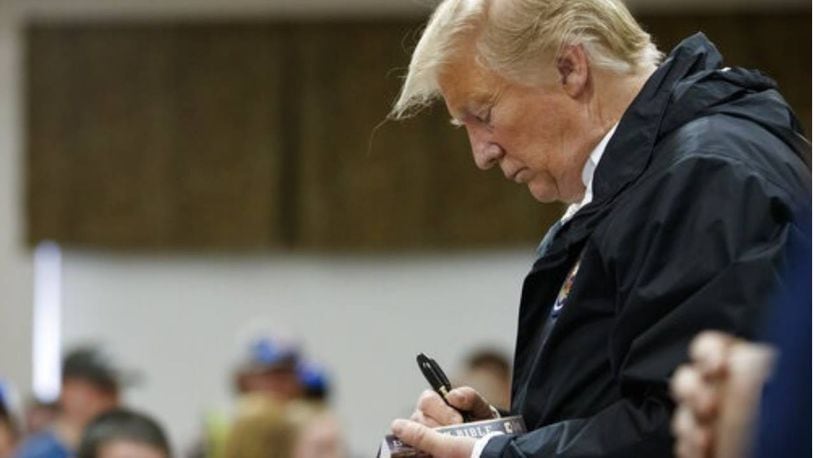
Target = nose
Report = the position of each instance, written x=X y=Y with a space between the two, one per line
x=485 y=152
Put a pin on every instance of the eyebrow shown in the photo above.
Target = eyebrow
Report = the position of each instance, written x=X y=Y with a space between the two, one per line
x=473 y=107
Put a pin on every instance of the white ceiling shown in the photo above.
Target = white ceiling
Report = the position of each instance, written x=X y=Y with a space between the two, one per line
x=262 y=9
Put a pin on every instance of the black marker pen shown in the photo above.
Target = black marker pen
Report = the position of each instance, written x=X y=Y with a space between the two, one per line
x=437 y=379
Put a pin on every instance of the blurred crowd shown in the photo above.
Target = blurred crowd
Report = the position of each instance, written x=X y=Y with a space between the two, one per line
x=281 y=410
x=282 y=405
x=87 y=420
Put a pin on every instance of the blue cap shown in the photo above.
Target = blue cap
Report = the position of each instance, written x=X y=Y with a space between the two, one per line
x=268 y=352
x=4 y=397
x=314 y=378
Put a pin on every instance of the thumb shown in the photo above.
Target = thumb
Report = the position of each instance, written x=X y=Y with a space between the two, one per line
x=430 y=441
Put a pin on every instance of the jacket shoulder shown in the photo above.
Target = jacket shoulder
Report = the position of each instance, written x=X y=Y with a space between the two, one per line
x=743 y=145
x=713 y=169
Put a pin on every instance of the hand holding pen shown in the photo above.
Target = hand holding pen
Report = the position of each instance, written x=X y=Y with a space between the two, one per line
x=442 y=406
x=438 y=380
x=464 y=401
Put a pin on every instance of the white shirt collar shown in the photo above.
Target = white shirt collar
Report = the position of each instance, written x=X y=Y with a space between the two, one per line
x=588 y=175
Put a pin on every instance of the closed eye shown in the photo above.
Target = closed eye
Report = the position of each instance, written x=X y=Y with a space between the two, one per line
x=485 y=118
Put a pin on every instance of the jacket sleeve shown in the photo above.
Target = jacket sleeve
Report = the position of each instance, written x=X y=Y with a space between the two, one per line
x=699 y=247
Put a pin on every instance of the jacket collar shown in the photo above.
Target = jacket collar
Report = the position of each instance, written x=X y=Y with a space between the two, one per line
x=631 y=148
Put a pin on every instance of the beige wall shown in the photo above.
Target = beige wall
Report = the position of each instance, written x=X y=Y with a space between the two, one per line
x=15 y=260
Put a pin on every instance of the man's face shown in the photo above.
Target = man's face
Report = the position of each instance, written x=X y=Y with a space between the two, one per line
x=7 y=439
x=121 y=448
x=83 y=400
x=282 y=383
x=534 y=134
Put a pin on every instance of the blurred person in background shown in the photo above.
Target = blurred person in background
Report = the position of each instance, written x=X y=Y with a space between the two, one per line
x=90 y=386
x=274 y=369
x=8 y=427
x=8 y=434
x=267 y=428
x=39 y=415
x=489 y=373
x=270 y=366
x=683 y=179
x=314 y=381
x=266 y=365
x=260 y=429
x=122 y=433
x=320 y=434
x=273 y=375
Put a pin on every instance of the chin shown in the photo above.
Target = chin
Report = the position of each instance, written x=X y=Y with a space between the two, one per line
x=542 y=193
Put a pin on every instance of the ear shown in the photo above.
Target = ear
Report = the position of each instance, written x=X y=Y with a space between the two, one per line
x=573 y=68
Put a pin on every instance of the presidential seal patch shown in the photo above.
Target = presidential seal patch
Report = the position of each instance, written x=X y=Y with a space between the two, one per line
x=565 y=290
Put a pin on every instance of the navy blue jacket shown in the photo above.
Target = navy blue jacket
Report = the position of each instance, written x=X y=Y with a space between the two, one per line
x=693 y=217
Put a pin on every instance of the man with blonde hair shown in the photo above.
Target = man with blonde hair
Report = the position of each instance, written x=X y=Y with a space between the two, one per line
x=684 y=181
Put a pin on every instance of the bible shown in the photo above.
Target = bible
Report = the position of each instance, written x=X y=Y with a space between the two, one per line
x=392 y=447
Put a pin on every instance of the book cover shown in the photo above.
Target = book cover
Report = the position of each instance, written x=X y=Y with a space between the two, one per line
x=392 y=447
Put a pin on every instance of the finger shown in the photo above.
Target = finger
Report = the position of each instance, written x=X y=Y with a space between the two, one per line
x=685 y=450
x=685 y=380
x=692 y=438
x=680 y=450
x=682 y=423
x=709 y=351
x=468 y=400
x=684 y=427
x=432 y=442
x=690 y=389
x=705 y=403
x=419 y=417
x=433 y=407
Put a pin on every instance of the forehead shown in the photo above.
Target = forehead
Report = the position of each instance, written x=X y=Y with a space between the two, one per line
x=464 y=83
x=124 y=448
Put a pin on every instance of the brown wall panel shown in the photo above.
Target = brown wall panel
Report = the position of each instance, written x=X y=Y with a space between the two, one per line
x=226 y=142
x=263 y=135
x=99 y=136
x=153 y=136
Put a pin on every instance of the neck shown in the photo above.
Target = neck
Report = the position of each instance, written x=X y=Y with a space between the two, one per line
x=614 y=94
x=609 y=97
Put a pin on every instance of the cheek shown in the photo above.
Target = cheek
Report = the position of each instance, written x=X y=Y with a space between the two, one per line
x=531 y=147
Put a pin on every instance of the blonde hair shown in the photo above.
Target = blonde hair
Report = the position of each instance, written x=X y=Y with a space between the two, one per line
x=517 y=38
x=261 y=430
x=265 y=427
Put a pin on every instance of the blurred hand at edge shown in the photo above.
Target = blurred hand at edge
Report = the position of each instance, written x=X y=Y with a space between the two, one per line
x=717 y=395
